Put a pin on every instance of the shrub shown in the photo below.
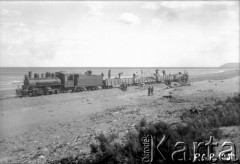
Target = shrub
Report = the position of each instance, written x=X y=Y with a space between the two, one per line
x=195 y=127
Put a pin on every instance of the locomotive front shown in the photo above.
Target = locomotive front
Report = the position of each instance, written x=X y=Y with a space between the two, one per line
x=36 y=85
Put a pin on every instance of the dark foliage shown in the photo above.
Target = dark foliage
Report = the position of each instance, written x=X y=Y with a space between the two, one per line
x=195 y=127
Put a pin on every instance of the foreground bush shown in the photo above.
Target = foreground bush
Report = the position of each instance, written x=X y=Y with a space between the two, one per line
x=195 y=127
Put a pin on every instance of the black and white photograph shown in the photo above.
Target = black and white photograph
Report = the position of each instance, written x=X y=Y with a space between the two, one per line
x=119 y=82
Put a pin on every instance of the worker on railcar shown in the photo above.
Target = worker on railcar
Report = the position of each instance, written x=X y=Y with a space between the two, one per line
x=120 y=74
x=102 y=75
x=109 y=74
x=164 y=72
x=157 y=73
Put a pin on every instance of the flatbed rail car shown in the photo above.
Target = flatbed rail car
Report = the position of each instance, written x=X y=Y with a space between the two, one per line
x=172 y=78
x=111 y=82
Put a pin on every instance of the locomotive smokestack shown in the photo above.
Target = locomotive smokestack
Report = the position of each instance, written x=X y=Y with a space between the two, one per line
x=30 y=74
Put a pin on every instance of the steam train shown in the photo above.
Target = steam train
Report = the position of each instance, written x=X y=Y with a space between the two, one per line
x=54 y=83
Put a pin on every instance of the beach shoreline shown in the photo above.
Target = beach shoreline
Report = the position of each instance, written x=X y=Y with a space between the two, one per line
x=34 y=124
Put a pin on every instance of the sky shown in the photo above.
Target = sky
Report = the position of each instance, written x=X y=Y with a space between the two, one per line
x=119 y=33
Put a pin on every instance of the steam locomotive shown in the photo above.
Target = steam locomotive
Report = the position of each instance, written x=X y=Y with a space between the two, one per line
x=54 y=83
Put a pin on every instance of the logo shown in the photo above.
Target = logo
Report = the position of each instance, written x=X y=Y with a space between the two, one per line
x=147 y=142
x=181 y=152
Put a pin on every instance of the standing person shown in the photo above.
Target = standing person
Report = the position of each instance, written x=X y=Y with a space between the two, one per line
x=186 y=76
x=136 y=74
x=163 y=72
x=152 y=90
x=109 y=74
x=119 y=74
x=149 y=91
x=102 y=75
x=134 y=78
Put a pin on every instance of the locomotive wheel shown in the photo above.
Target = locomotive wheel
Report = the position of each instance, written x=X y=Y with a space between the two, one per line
x=30 y=95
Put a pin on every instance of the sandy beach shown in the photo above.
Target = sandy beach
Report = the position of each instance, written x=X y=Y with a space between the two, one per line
x=44 y=128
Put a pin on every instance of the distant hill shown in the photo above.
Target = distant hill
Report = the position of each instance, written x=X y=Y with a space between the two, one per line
x=230 y=65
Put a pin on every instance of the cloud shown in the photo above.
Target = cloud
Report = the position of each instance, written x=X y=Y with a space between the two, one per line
x=5 y=12
x=200 y=12
x=151 y=6
x=130 y=19
x=182 y=4
x=172 y=5
x=95 y=8
x=156 y=22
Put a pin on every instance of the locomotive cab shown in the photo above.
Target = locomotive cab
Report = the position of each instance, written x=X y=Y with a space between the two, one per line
x=67 y=79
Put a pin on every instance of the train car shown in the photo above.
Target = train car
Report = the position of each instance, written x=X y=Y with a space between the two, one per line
x=136 y=80
x=130 y=81
x=90 y=82
x=149 y=80
x=126 y=80
x=110 y=83
x=163 y=78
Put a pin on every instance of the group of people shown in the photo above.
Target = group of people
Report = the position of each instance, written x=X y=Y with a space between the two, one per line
x=109 y=74
x=135 y=75
x=150 y=90
x=157 y=72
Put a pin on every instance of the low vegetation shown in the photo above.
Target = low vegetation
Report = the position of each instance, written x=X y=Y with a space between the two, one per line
x=197 y=125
